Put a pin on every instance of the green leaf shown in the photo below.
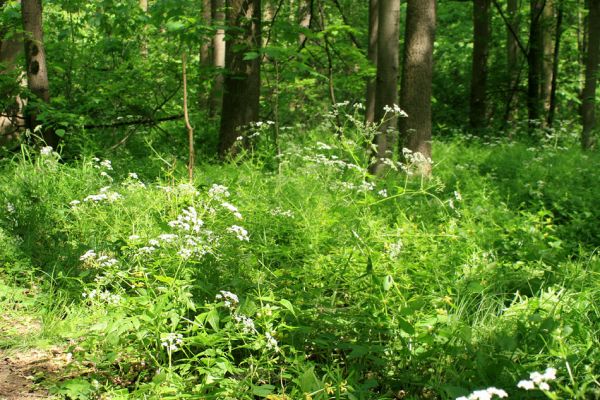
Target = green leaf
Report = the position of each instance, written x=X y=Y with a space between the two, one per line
x=251 y=55
x=164 y=279
x=287 y=305
x=263 y=390
x=60 y=132
x=213 y=319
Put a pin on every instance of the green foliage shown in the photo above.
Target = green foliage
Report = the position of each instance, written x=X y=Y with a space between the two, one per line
x=303 y=278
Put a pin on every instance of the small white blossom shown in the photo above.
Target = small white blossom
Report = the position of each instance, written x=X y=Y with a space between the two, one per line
x=218 y=191
x=134 y=237
x=106 y=164
x=146 y=250
x=229 y=299
x=240 y=232
x=133 y=175
x=271 y=342
x=246 y=322
x=167 y=237
x=87 y=255
x=10 y=207
x=46 y=151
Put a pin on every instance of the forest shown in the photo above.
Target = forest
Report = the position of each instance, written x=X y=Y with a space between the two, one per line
x=299 y=199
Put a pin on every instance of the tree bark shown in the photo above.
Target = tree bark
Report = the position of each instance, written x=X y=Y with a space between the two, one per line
x=416 y=79
x=144 y=44
x=242 y=80
x=547 y=25
x=218 y=61
x=481 y=42
x=534 y=62
x=588 y=111
x=205 y=59
x=555 y=63
x=304 y=19
x=35 y=57
x=372 y=57
x=386 y=92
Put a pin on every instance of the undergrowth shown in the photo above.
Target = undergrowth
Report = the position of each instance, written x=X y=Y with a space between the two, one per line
x=299 y=276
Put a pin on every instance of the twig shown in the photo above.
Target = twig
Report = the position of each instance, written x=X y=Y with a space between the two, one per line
x=186 y=117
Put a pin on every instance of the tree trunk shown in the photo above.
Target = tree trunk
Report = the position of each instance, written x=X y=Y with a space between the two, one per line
x=386 y=92
x=205 y=59
x=555 y=63
x=588 y=112
x=534 y=61
x=144 y=44
x=216 y=94
x=512 y=53
x=11 y=120
x=416 y=80
x=547 y=25
x=481 y=42
x=242 y=80
x=304 y=19
x=372 y=57
x=35 y=57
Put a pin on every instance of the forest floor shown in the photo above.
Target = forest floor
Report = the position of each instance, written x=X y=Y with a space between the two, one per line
x=24 y=363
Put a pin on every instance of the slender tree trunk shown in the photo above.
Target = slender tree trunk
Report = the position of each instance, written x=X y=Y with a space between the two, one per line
x=144 y=44
x=482 y=33
x=372 y=57
x=216 y=94
x=242 y=81
x=205 y=59
x=386 y=92
x=534 y=62
x=11 y=120
x=304 y=19
x=588 y=106
x=556 y=60
x=512 y=53
x=548 y=36
x=416 y=80
x=35 y=57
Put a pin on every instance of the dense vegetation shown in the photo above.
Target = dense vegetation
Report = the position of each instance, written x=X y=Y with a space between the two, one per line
x=305 y=257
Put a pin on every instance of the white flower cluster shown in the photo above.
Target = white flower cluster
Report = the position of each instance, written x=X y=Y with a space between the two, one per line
x=104 y=195
x=47 y=151
x=362 y=187
x=247 y=324
x=104 y=295
x=230 y=300
x=331 y=161
x=283 y=213
x=183 y=189
x=171 y=340
x=218 y=191
x=271 y=342
x=538 y=380
x=486 y=394
x=394 y=249
x=240 y=233
x=10 y=208
x=90 y=258
x=395 y=109
x=233 y=209
x=188 y=221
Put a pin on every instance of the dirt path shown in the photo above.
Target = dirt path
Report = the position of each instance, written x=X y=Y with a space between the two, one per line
x=19 y=372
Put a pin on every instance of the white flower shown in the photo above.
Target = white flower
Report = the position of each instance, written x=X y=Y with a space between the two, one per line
x=171 y=340
x=133 y=175
x=167 y=237
x=146 y=250
x=239 y=138
x=550 y=374
x=88 y=254
x=10 y=207
x=229 y=299
x=106 y=164
x=525 y=384
x=536 y=377
x=485 y=394
x=218 y=191
x=185 y=253
x=134 y=237
x=457 y=196
x=46 y=151
x=271 y=342
x=154 y=242
x=544 y=386
x=233 y=209
x=74 y=203
x=246 y=322
x=383 y=193
x=240 y=232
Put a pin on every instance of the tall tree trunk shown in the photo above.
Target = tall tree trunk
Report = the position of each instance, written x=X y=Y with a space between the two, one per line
x=386 y=92
x=11 y=118
x=547 y=25
x=372 y=57
x=218 y=62
x=416 y=79
x=35 y=57
x=304 y=19
x=242 y=80
x=144 y=44
x=588 y=111
x=205 y=59
x=534 y=61
x=482 y=33
x=556 y=60
x=512 y=53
